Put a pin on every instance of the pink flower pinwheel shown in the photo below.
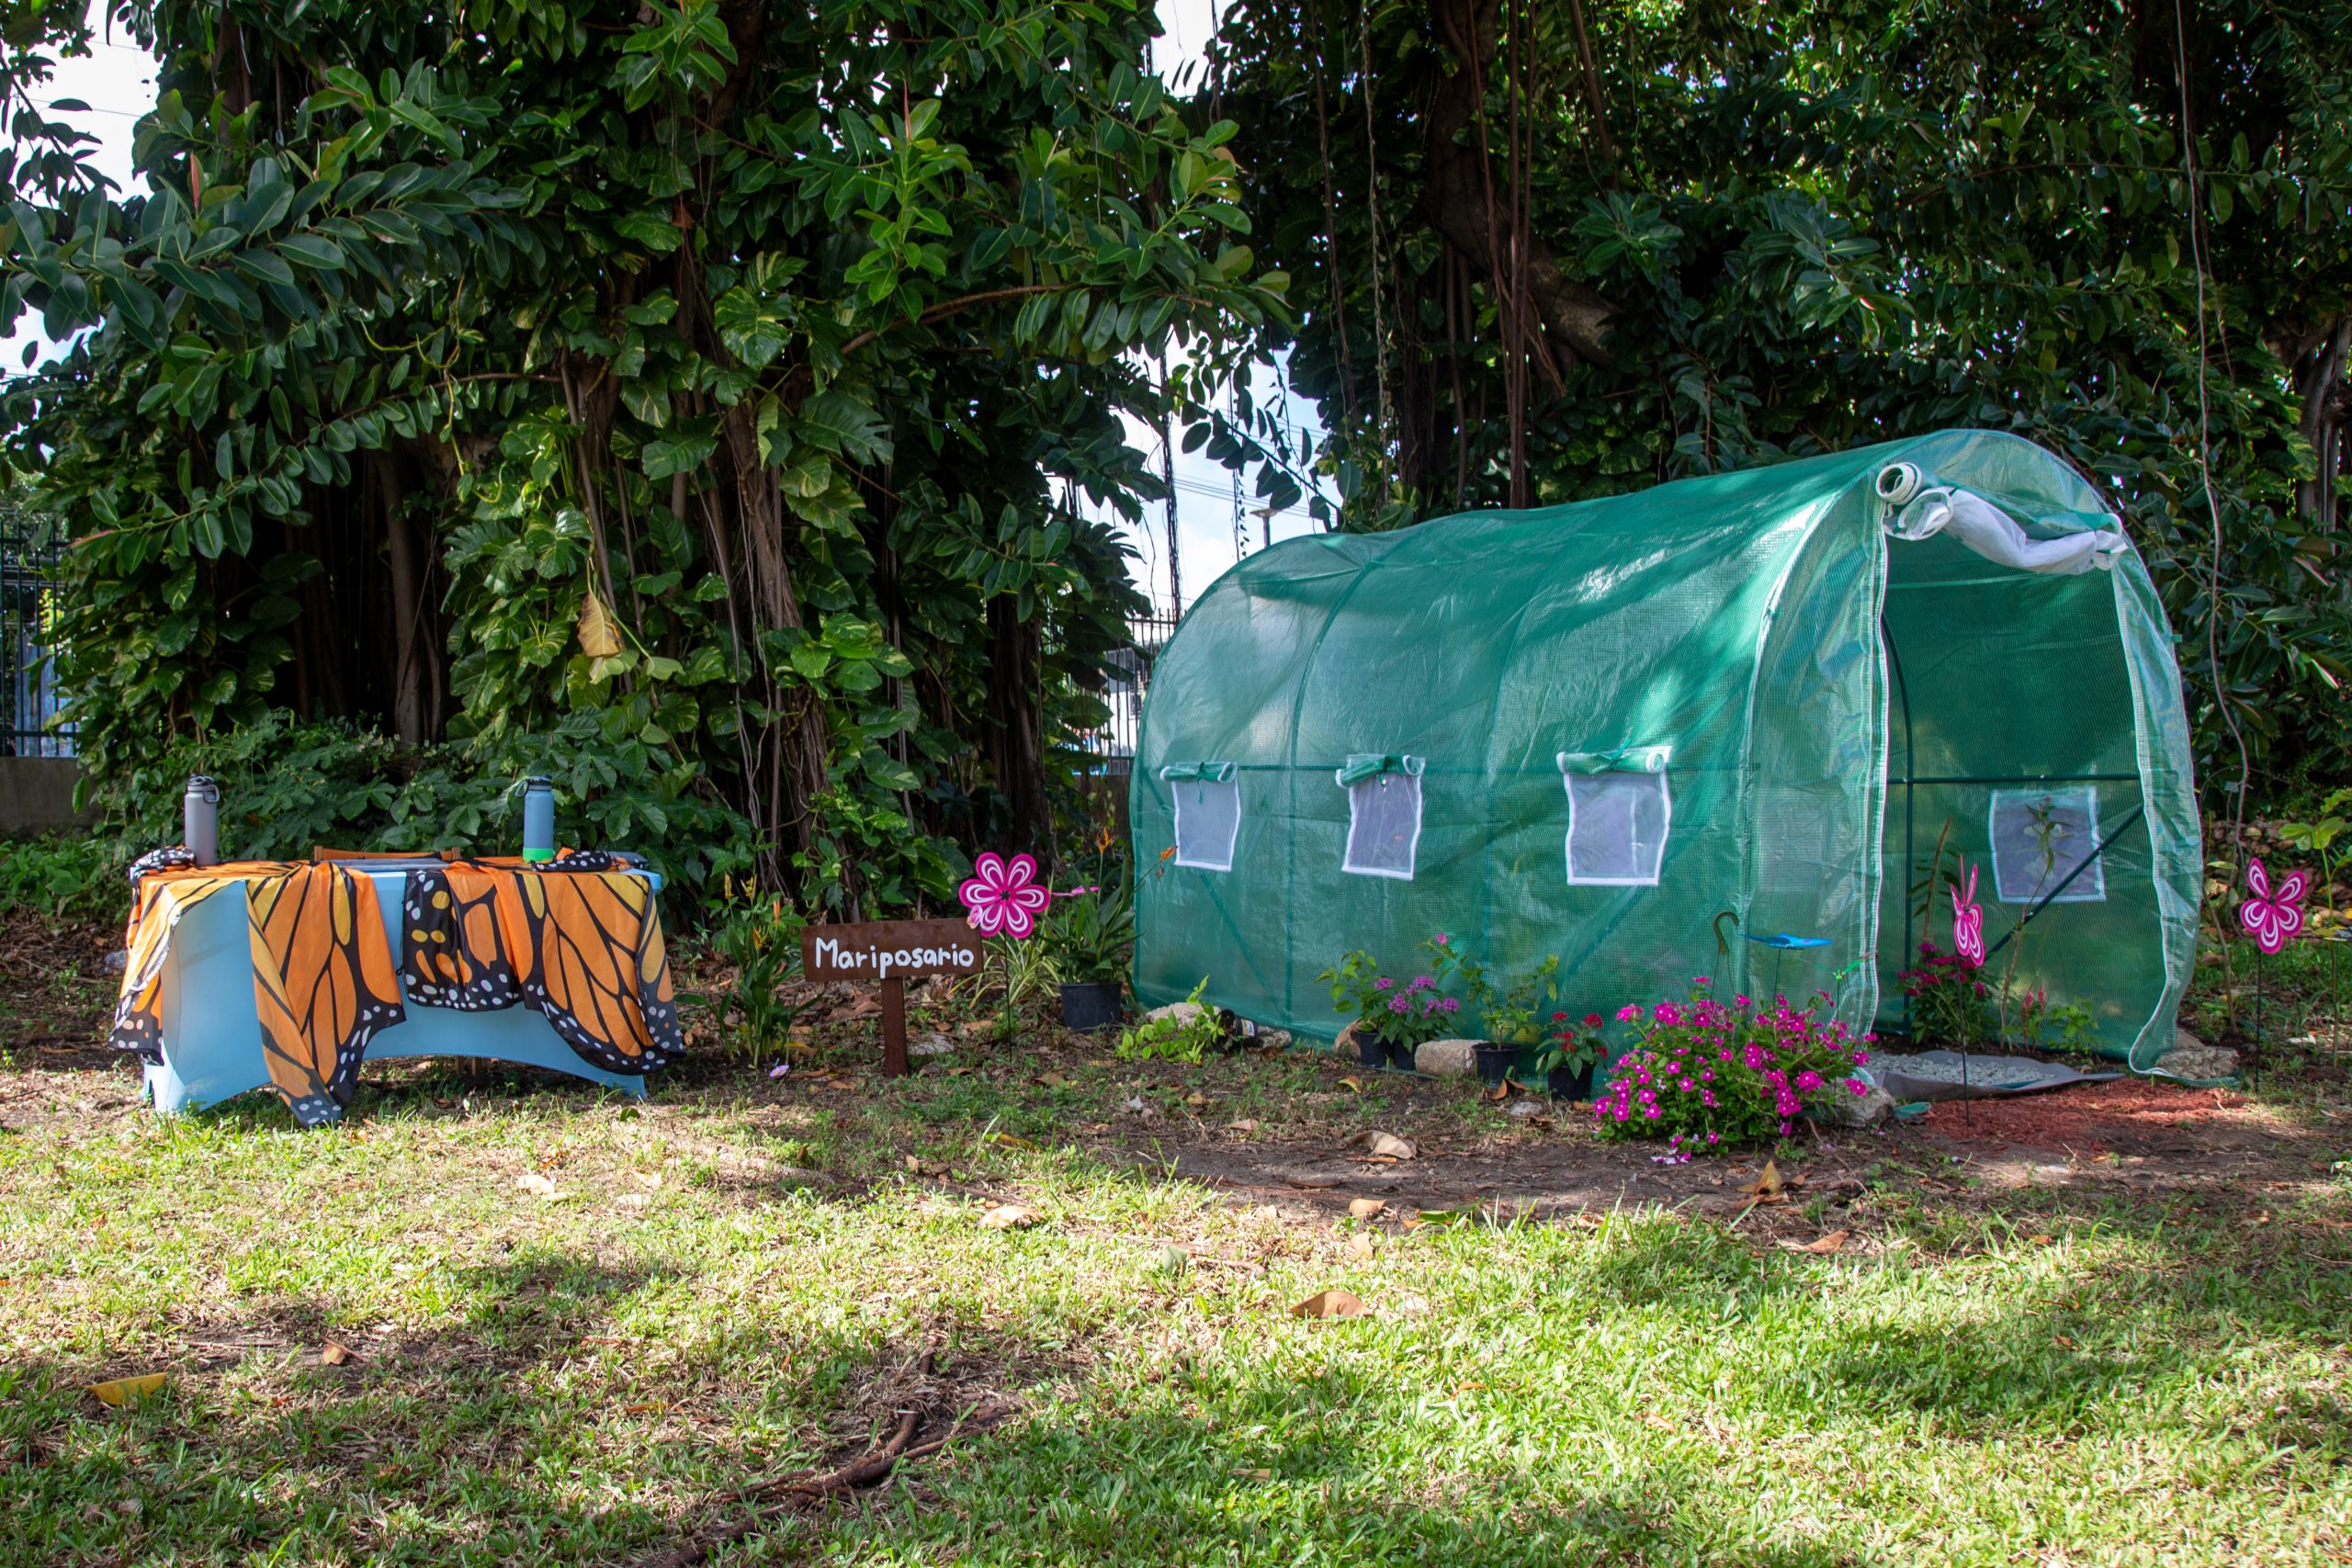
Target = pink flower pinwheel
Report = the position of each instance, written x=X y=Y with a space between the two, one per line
x=2272 y=917
x=1967 y=920
x=1005 y=894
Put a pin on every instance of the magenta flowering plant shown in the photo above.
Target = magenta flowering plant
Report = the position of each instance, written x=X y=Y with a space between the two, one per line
x=1398 y=1010
x=1708 y=1071
x=1950 y=1000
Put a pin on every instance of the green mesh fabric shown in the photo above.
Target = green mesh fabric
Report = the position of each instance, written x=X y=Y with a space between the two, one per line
x=1743 y=665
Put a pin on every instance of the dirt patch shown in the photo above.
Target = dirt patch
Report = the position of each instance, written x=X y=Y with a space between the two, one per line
x=2131 y=1116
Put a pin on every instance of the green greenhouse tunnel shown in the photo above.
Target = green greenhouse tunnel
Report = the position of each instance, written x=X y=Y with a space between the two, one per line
x=1588 y=730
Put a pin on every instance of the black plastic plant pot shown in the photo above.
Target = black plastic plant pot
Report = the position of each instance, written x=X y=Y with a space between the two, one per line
x=1094 y=1004
x=1572 y=1083
x=1401 y=1057
x=1495 y=1059
x=1371 y=1049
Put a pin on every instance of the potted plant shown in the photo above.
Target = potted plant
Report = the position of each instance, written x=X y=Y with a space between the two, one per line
x=1088 y=942
x=1393 y=1016
x=1572 y=1050
x=1509 y=1015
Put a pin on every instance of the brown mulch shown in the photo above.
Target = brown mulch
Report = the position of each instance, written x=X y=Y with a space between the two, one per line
x=2127 y=1116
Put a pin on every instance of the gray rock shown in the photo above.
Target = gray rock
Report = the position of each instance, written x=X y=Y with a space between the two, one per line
x=1843 y=1107
x=1271 y=1040
x=1182 y=1012
x=931 y=1046
x=1446 y=1058
x=2199 y=1062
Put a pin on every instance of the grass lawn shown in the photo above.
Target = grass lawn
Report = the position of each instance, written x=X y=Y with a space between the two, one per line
x=2118 y=1354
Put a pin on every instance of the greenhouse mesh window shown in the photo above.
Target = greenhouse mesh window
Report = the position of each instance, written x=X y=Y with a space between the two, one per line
x=2041 y=837
x=1208 y=818
x=1617 y=827
x=1383 y=825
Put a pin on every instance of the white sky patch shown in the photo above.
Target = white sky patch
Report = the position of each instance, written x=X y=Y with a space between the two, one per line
x=117 y=79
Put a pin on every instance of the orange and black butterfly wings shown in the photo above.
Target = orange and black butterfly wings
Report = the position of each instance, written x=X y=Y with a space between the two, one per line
x=323 y=983
x=155 y=912
x=604 y=971
x=467 y=944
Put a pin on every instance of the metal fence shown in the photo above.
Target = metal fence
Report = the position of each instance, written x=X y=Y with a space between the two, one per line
x=1110 y=751
x=29 y=699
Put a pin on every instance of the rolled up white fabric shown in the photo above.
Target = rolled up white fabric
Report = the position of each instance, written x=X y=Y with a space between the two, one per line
x=1995 y=535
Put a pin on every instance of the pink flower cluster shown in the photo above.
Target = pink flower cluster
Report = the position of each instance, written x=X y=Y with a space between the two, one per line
x=1418 y=998
x=1706 y=1072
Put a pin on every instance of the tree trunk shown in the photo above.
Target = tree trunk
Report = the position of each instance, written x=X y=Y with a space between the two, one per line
x=2327 y=407
x=1452 y=201
x=1013 y=737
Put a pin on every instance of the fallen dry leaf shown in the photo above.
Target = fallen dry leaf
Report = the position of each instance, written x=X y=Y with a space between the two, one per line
x=1361 y=1245
x=121 y=1391
x=1242 y=1126
x=646 y=1179
x=1767 y=1184
x=1366 y=1208
x=1830 y=1243
x=336 y=1353
x=1330 y=1303
x=1196 y=1098
x=1315 y=1181
x=1051 y=1080
x=1009 y=1216
x=532 y=1182
x=1386 y=1145
x=1352 y=1082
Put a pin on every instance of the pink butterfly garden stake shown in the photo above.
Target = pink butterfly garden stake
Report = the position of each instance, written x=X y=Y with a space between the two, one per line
x=1005 y=894
x=1968 y=940
x=1967 y=920
x=2270 y=915
x=2271 y=918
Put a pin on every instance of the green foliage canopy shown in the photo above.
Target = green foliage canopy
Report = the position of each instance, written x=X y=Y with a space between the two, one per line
x=1563 y=249
x=722 y=378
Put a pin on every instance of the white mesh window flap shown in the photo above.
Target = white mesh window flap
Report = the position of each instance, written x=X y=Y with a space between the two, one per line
x=1208 y=818
x=1384 y=821
x=2042 y=838
x=1617 y=827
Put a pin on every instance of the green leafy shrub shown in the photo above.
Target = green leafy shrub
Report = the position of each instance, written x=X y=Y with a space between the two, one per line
x=1172 y=1038
x=758 y=936
x=68 y=873
x=287 y=786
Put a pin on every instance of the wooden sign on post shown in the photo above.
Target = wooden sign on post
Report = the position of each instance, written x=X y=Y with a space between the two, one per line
x=886 y=953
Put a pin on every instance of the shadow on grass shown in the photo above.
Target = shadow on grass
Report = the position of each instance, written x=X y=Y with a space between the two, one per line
x=539 y=1418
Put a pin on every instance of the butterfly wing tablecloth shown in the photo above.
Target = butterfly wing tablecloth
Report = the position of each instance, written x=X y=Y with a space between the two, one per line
x=287 y=976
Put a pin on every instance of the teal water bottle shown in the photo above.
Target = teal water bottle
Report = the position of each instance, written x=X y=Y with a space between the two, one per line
x=538 y=818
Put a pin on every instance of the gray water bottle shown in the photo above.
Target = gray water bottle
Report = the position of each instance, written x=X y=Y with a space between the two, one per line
x=538 y=818
x=200 y=820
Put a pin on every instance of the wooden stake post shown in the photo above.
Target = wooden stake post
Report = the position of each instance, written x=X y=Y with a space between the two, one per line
x=888 y=954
